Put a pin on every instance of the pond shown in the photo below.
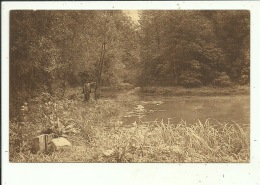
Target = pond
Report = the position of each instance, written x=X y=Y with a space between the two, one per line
x=173 y=109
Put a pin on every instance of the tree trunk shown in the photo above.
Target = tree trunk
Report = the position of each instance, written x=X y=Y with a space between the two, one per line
x=99 y=73
x=101 y=63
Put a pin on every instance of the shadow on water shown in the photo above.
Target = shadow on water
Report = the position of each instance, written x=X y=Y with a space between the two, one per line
x=173 y=109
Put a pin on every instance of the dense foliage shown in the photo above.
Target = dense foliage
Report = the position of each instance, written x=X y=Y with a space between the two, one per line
x=50 y=50
x=195 y=48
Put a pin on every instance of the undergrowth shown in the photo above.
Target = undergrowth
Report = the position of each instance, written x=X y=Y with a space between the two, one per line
x=160 y=142
x=98 y=135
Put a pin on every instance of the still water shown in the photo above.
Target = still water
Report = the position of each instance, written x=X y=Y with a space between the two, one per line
x=173 y=109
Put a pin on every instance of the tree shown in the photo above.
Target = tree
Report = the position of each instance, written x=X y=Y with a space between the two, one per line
x=209 y=37
x=49 y=49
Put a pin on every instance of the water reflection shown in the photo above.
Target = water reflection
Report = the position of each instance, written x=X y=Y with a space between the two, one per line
x=190 y=109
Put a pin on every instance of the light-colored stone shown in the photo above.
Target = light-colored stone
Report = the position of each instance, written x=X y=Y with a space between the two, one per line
x=59 y=143
x=108 y=152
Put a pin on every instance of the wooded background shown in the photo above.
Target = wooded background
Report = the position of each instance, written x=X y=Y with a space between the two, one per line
x=53 y=50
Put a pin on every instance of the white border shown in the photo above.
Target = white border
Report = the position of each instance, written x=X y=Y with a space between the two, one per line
x=84 y=173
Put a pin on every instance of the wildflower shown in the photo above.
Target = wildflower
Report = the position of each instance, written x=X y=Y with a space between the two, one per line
x=134 y=123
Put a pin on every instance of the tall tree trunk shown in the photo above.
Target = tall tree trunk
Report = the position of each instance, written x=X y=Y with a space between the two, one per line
x=100 y=70
x=101 y=64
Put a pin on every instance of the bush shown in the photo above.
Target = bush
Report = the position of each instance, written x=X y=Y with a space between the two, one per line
x=190 y=79
x=124 y=86
x=62 y=118
x=244 y=80
x=223 y=80
x=150 y=89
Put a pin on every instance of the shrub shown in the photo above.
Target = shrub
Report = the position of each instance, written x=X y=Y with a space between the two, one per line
x=124 y=86
x=245 y=79
x=152 y=89
x=223 y=80
x=190 y=79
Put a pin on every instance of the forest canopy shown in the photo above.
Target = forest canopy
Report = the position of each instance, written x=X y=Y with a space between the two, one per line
x=195 y=48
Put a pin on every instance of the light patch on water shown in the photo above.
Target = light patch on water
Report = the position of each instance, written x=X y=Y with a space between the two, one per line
x=140 y=111
x=221 y=108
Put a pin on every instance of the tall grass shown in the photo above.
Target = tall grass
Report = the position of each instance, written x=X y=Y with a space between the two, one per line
x=72 y=119
x=98 y=135
x=199 y=142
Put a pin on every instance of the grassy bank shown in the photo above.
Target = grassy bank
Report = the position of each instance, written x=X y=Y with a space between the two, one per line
x=161 y=142
x=201 y=91
x=98 y=135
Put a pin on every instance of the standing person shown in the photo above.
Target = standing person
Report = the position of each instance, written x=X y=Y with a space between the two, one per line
x=96 y=90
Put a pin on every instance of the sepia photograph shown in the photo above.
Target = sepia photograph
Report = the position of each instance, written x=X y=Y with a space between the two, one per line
x=129 y=86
